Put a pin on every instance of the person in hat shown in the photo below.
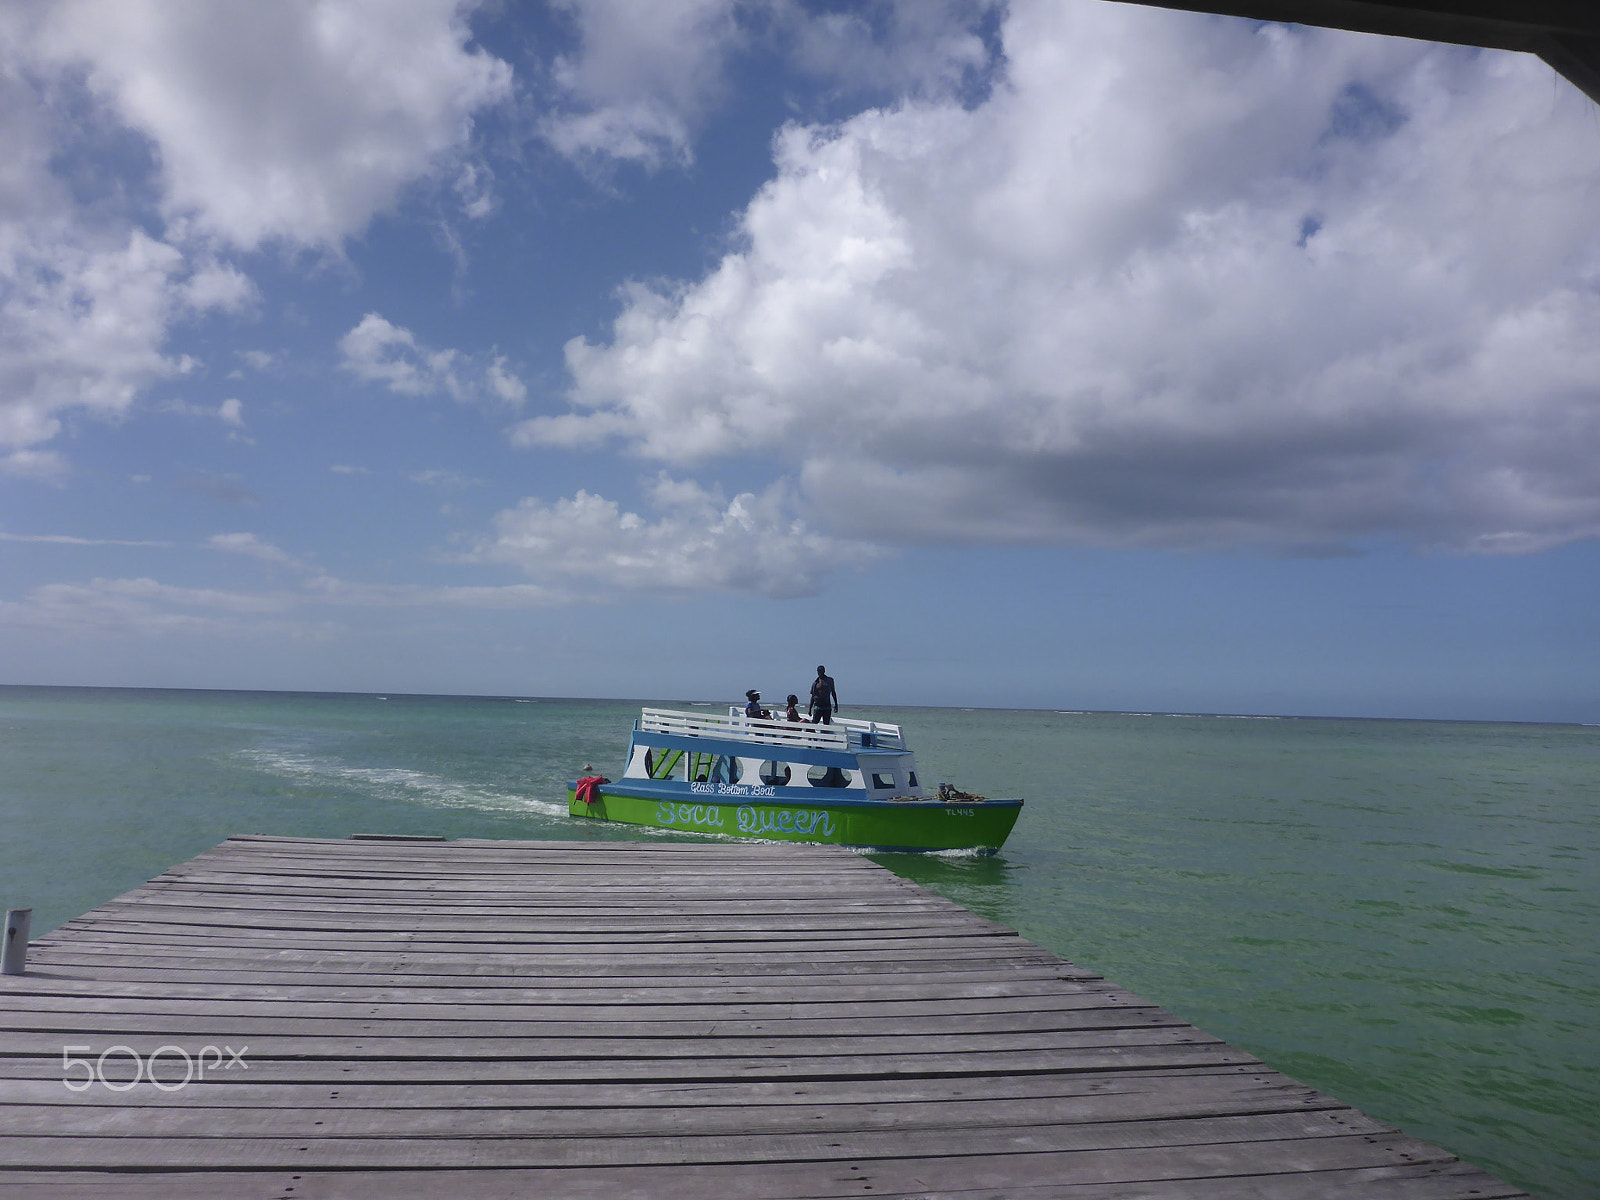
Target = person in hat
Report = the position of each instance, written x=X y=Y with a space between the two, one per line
x=753 y=709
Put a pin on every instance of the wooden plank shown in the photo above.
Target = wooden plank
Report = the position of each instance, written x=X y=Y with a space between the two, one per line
x=508 y=962
x=1013 y=989
x=353 y=1042
x=1248 y=1088
x=647 y=891
x=484 y=917
x=548 y=865
x=202 y=1020
x=197 y=1118
x=767 y=852
x=799 y=870
x=906 y=983
x=668 y=1068
x=968 y=1178
x=348 y=931
x=532 y=891
x=177 y=905
x=1008 y=1009
x=1087 y=1157
x=613 y=1019
x=734 y=858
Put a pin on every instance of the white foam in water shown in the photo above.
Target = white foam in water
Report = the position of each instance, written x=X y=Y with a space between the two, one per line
x=398 y=783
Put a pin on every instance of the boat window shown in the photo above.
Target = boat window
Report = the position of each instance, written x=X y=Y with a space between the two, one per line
x=665 y=764
x=911 y=779
x=882 y=780
x=712 y=768
x=775 y=774
x=828 y=777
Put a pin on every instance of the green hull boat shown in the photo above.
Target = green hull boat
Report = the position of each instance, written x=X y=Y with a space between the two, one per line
x=852 y=783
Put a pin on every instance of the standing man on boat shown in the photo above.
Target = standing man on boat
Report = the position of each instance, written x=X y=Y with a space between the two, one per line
x=824 y=698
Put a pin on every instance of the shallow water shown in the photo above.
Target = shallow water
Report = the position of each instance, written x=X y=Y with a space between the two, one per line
x=1400 y=913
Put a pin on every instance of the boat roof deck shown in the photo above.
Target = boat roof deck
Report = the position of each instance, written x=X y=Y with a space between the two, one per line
x=628 y=1020
x=843 y=734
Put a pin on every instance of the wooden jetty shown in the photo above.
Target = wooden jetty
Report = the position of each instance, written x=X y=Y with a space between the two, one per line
x=483 y=1020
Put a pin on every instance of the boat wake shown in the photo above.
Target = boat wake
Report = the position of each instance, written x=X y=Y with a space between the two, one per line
x=959 y=853
x=397 y=784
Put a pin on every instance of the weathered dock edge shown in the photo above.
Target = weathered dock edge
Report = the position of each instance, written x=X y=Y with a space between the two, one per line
x=515 y=1019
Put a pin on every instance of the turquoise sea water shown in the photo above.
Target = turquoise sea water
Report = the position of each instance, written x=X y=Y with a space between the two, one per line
x=1401 y=913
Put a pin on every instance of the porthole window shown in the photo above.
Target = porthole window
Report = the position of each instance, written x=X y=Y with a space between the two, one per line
x=726 y=769
x=775 y=774
x=828 y=777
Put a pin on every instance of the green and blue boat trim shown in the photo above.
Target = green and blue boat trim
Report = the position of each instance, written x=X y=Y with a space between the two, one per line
x=852 y=783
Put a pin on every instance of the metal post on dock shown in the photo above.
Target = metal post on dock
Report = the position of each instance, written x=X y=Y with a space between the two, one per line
x=14 y=959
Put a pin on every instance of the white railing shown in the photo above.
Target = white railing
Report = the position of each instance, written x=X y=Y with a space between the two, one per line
x=777 y=732
x=738 y=727
x=879 y=734
x=874 y=733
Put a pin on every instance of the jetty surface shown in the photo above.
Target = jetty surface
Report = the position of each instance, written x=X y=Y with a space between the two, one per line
x=414 y=1019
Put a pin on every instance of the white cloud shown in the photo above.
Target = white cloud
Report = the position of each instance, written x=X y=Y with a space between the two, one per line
x=325 y=589
x=503 y=385
x=1179 y=280
x=62 y=539
x=447 y=481
x=700 y=543
x=83 y=320
x=298 y=119
x=377 y=351
x=42 y=466
x=218 y=286
x=297 y=123
x=202 y=598
x=571 y=430
x=142 y=606
x=230 y=412
x=642 y=77
x=474 y=188
x=146 y=607
x=252 y=546
x=222 y=489
x=905 y=47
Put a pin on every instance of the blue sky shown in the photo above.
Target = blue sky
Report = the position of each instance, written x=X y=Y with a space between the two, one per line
x=1067 y=355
